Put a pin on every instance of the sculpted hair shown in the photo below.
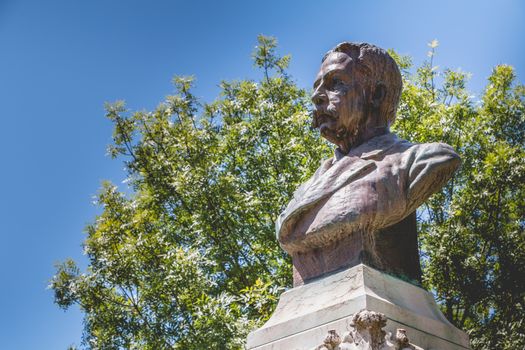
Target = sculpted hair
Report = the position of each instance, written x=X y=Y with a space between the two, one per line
x=376 y=67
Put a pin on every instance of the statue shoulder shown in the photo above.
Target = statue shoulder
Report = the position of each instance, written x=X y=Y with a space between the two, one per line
x=434 y=153
x=431 y=166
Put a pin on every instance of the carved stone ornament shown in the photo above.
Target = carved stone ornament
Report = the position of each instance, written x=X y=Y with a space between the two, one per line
x=367 y=334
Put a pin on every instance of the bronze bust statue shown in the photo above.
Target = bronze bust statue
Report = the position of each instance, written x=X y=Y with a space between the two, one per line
x=359 y=206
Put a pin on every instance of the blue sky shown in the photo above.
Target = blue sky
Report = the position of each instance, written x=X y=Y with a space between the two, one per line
x=61 y=60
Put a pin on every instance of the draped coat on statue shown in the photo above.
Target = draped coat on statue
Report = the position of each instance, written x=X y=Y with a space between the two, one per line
x=375 y=186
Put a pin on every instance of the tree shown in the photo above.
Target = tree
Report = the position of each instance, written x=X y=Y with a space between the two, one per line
x=472 y=233
x=189 y=260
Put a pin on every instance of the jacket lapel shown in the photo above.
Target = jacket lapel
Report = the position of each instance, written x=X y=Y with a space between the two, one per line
x=323 y=186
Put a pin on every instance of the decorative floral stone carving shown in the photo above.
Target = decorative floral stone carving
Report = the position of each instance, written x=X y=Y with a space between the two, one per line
x=331 y=342
x=367 y=334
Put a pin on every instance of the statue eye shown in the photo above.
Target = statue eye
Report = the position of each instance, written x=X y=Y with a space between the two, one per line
x=337 y=84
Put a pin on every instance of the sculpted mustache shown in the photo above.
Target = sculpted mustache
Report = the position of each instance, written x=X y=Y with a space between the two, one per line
x=318 y=115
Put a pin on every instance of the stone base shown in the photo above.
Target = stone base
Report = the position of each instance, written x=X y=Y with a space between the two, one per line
x=306 y=314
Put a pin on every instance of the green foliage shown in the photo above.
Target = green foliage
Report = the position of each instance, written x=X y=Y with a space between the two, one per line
x=472 y=233
x=189 y=260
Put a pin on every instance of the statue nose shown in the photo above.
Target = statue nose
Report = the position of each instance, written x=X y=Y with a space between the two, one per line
x=319 y=98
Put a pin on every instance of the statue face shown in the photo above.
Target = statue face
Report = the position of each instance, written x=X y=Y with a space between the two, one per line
x=339 y=100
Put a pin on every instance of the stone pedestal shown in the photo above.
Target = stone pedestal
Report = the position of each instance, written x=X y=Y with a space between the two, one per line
x=306 y=314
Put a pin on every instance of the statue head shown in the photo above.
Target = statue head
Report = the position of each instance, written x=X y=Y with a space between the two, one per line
x=356 y=94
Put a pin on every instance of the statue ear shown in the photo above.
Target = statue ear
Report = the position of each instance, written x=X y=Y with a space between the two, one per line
x=378 y=95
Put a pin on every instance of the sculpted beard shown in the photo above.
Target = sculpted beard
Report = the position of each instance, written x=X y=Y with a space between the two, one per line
x=349 y=133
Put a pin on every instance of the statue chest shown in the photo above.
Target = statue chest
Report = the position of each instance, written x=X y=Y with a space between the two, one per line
x=368 y=203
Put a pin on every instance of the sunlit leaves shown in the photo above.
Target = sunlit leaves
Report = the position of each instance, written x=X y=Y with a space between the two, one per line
x=472 y=233
x=189 y=260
